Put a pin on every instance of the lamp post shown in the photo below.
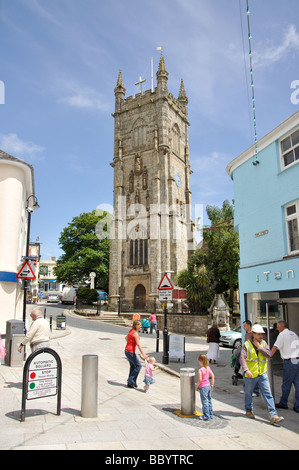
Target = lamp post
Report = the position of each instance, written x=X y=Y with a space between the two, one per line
x=29 y=208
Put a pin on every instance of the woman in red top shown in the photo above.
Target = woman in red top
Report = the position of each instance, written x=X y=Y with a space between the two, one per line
x=133 y=340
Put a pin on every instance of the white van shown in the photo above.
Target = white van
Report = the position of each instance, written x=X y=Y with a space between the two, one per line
x=68 y=295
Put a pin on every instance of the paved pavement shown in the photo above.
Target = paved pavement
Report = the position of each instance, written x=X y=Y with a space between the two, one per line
x=129 y=419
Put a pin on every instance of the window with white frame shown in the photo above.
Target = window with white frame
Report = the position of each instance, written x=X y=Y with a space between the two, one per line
x=292 y=221
x=290 y=149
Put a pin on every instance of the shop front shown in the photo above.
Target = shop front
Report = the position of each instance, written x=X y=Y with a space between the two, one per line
x=270 y=292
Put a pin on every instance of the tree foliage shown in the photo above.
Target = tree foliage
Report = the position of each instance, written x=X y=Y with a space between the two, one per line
x=213 y=269
x=84 y=250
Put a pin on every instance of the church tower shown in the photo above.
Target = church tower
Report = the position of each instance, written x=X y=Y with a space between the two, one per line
x=152 y=231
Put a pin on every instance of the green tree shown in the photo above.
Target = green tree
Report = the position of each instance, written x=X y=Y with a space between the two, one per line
x=85 y=251
x=197 y=283
x=223 y=256
x=214 y=267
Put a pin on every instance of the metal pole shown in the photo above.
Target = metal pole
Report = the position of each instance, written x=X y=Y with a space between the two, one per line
x=89 y=389
x=118 y=305
x=187 y=376
x=269 y=363
x=165 y=358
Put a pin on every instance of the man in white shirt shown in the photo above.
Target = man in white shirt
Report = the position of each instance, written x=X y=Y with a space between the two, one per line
x=39 y=333
x=288 y=344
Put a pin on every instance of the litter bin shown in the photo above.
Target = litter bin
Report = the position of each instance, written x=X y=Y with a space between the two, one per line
x=14 y=335
x=187 y=376
x=60 y=322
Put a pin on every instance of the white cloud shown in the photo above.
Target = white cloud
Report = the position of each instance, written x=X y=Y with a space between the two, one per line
x=12 y=144
x=82 y=97
x=267 y=55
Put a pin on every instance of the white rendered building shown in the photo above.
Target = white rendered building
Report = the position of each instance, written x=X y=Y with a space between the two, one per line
x=16 y=194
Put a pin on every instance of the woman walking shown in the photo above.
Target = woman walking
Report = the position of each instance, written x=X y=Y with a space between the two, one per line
x=133 y=340
x=213 y=340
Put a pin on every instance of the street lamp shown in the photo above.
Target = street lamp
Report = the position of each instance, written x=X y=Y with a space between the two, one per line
x=30 y=207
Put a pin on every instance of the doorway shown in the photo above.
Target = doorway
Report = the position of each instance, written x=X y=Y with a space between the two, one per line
x=139 y=297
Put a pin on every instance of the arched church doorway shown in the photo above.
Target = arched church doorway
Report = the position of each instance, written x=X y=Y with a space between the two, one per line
x=139 y=297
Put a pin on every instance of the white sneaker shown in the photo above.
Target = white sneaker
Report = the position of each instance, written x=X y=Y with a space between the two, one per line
x=276 y=419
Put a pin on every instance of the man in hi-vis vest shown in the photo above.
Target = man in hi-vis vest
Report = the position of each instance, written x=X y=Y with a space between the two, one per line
x=253 y=359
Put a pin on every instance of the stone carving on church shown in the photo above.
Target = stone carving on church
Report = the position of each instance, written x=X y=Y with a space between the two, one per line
x=137 y=164
x=144 y=178
x=137 y=196
x=131 y=182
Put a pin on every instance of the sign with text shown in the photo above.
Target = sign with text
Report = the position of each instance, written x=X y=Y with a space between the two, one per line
x=177 y=347
x=42 y=377
x=165 y=295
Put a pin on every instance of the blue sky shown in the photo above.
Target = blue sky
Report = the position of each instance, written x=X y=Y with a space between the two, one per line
x=59 y=64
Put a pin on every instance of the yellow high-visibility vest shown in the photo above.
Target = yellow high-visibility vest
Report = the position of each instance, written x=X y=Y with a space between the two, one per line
x=256 y=362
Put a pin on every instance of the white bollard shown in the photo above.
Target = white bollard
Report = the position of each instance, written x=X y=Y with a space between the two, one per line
x=89 y=386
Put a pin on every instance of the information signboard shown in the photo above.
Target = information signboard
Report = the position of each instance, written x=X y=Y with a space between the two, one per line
x=177 y=347
x=42 y=377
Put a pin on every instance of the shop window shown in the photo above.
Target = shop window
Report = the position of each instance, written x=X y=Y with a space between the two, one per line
x=292 y=222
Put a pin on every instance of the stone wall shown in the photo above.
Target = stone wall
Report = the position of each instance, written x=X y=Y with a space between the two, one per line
x=181 y=324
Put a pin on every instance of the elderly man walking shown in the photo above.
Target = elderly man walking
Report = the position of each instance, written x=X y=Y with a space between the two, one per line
x=288 y=344
x=253 y=360
x=39 y=333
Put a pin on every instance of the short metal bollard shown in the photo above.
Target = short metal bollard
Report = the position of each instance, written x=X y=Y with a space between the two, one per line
x=89 y=386
x=187 y=375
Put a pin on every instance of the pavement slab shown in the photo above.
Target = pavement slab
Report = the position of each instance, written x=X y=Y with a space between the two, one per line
x=130 y=419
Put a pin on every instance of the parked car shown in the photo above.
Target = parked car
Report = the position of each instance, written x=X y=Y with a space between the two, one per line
x=102 y=295
x=53 y=298
x=232 y=338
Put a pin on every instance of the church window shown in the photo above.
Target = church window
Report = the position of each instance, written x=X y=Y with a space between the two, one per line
x=140 y=134
x=176 y=139
x=138 y=248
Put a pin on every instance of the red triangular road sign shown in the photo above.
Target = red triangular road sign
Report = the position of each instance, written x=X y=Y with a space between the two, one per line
x=165 y=283
x=26 y=272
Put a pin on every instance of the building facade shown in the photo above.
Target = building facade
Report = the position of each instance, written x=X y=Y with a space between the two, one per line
x=16 y=189
x=47 y=279
x=152 y=231
x=266 y=191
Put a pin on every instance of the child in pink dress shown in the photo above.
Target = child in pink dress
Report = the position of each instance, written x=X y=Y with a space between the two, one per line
x=204 y=387
x=148 y=376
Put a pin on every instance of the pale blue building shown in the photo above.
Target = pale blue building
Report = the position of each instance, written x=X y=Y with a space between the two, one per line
x=266 y=189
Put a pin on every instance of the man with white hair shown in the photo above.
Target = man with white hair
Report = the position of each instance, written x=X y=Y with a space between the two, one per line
x=39 y=333
x=253 y=359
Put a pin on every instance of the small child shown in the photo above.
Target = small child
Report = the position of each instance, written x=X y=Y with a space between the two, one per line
x=148 y=376
x=204 y=387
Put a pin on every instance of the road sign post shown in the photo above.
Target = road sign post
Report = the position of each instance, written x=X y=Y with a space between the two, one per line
x=165 y=295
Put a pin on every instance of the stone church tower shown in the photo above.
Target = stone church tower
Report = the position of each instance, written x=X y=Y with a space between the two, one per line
x=152 y=231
